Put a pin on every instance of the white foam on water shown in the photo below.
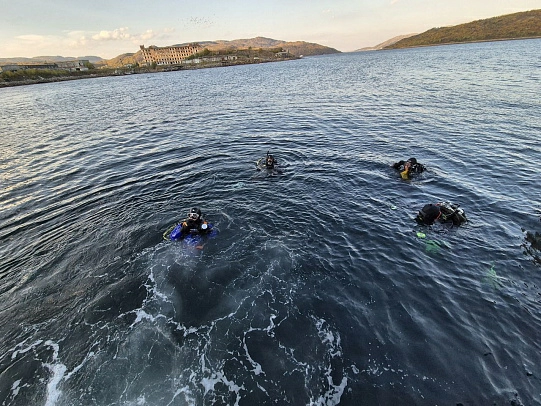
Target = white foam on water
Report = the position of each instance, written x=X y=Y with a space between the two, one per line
x=24 y=350
x=333 y=395
x=188 y=396
x=90 y=355
x=220 y=377
x=217 y=360
x=332 y=342
x=57 y=370
x=257 y=369
x=15 y=388
x=57 y=373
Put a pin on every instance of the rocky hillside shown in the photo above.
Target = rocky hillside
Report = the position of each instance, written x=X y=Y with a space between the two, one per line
x=511 y=26
x=125 y=60
x=299 y=48
x=296 y=48
x=49 y=59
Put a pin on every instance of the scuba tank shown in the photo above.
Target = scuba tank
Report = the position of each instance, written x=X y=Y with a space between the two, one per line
x=452 y=212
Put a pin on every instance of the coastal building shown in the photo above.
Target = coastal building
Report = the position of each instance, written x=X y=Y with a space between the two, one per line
x=283 y=54
x=224 y=59
x=16 y=67
x=9 y=68
x=168 y=55
x=74 y=66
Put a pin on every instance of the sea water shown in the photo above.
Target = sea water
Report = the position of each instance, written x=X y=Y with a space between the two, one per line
x=320 y=288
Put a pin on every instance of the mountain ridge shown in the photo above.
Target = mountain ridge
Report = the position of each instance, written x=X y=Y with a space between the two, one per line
x=296 y=48
x=49 y=58
x=525 y=24
x=384 y=44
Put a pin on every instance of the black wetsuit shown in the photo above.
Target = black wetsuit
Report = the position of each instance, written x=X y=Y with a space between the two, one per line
x=270 y=162
x=442 y=212
x=414 y=167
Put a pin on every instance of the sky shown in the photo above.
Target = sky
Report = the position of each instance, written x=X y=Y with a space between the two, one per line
x=108 y=28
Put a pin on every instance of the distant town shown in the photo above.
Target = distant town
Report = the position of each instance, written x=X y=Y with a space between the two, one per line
x=153 y=59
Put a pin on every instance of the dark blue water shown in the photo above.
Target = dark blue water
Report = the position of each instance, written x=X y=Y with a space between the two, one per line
x=317 y=290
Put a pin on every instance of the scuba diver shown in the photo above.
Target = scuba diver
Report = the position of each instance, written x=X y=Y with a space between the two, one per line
x=269 y=162
x=408 y=167
x=534 y=239
x=532 y=246
x=193 y=225
x=442 y=212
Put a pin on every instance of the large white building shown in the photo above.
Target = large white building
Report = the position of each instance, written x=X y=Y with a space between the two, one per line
x=168 y=55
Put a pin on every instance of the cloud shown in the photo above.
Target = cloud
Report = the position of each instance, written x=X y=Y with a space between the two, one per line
x=31 y=41
x=31 y=38
x=106 y=43
x=114 y=35
x=123 y=34
x=148 y=34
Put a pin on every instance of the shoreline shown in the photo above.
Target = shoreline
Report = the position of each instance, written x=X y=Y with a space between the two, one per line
x=391 y=47
x=127 y=72
x=27 y=82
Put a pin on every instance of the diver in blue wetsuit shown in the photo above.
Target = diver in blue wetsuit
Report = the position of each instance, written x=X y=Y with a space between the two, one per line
x=193 y=225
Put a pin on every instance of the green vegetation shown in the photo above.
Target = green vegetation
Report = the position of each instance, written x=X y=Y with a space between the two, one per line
x=297 y=48
x=512 y=26
x=26 y=74
x=35 y=75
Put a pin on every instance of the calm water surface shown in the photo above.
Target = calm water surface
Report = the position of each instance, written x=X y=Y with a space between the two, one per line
x=317 y=290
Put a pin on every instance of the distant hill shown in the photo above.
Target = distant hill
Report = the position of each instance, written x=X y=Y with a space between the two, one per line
x=526 y=24
x=385 y=44
x=125 y=59
x=46 y=59
x=297 y=48
x=257 y=42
